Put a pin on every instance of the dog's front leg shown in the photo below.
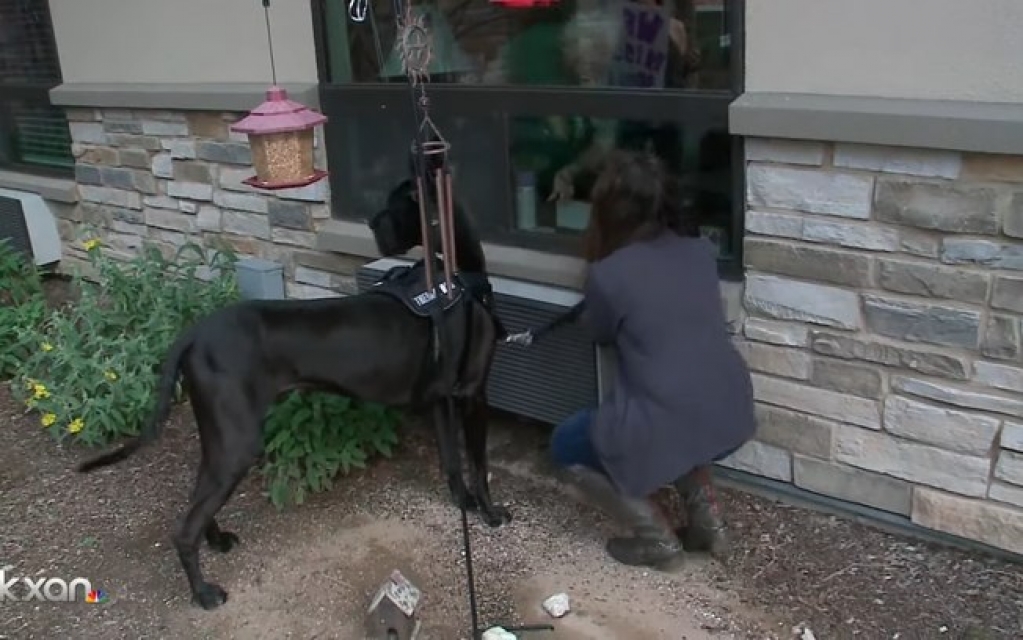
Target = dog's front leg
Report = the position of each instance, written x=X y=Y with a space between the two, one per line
x=473 y=412
x=450 y=460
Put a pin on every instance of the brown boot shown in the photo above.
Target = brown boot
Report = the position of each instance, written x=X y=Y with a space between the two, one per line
x=653 y=543
x=704 y=530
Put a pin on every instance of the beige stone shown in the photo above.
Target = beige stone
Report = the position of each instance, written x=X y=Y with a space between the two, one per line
x=779 y=361
x=997 y=525
x=852 y=484
x=761 y=459
x=992 y=167
x=209 y=125
x=960 y=431
x=794 y=431
x=821 y=402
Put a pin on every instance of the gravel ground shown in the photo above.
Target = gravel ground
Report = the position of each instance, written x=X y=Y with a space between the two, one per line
x=309 y=572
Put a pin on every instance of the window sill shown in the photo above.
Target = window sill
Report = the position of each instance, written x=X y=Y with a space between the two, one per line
x=57 y=189
x=356 y=239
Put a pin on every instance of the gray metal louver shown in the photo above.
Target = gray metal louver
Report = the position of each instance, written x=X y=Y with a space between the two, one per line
x=13 y=227
x=548 y=381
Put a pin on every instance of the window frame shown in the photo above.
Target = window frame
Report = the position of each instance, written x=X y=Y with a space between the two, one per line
x=33 y=93
x=706 y=107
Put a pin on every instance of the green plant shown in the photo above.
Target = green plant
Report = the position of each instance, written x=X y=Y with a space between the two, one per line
x=312 y=436
x=22 y=306
x=91 y=369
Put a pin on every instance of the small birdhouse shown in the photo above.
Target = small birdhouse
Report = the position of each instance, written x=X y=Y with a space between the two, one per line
x=392 y=613
x=280 y=134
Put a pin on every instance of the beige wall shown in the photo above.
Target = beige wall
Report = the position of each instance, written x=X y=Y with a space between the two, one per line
x=166 y=41
x=938 y=49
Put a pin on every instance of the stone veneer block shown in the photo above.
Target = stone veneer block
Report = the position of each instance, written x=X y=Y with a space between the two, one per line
x=982 y=253
x=998 y=376
x=918 y=162
x=927 y=323
x=1012 y=436
x=785 y=334
x=845 y=377
x=993 y=524
x=820 y=402
x=1001 y=338
x=803 y=152
x=813 y=191
x=911 y=461
x=1009 y=467
x=1008 y=294
x=943 y=206
x=780 y=361
x=793 y=431
x=890 y=355
x=969 y=433
x=992 y=167
x=853 y=485
x=786 y=299
x=831 y=266
x=1013 y=225
x=761 y=459
x=1006 y=493
x=932 y=281
x=956 y=396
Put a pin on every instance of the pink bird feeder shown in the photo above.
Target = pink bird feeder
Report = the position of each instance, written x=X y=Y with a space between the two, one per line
x=280 y=133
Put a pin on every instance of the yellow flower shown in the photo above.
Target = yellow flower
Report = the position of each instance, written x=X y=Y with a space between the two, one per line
x=110 y=375
x=75 y=426
x=40 y=391
x=48 y=419
x=47 y=346
x=91 y=244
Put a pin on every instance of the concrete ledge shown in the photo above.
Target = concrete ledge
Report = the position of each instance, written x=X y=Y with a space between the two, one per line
x=185 y=96
x=937 y=124
x=356 y=239
x=56 y=189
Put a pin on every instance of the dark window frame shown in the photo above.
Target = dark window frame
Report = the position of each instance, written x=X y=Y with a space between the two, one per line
x=709 y=108
x=32 y=93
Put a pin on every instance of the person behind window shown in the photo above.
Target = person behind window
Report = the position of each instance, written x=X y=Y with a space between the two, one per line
x=682 y=397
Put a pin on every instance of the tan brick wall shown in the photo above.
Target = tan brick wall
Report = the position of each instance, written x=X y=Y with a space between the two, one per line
x=884 y=303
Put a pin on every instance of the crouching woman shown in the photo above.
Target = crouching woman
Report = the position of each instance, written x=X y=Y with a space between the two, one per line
x=682 y=396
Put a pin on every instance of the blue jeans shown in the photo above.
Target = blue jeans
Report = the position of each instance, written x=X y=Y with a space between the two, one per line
x=571 y=444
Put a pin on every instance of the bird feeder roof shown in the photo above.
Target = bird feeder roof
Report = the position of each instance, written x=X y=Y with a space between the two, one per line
x=278 y=114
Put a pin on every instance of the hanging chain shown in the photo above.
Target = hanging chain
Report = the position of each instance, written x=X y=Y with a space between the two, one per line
x=357 y=9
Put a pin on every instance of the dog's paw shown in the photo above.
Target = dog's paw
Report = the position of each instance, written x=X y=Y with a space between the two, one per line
x=466 y=501
x=223 y=541
x=496 y=516
x=209 y=596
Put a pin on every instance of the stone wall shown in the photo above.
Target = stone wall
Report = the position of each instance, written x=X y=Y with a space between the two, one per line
x=165 y=177
x=884 y=303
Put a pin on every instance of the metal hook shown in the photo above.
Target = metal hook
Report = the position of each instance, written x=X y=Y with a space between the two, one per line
x=357 y=9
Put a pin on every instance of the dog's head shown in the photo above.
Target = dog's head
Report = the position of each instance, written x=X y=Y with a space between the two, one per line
x=396 y=227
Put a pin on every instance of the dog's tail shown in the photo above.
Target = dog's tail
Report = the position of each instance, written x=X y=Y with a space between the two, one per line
x=165 y=393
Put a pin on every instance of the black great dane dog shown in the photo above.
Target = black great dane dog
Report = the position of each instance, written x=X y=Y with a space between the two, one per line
x=239 y=360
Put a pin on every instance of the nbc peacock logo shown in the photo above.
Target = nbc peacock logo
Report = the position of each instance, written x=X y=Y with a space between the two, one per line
x=96 y=596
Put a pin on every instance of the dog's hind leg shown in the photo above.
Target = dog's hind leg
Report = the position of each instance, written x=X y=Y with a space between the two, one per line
x=450 y=460
x=475 y=424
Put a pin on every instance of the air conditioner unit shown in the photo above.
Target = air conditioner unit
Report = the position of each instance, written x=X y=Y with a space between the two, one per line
x=27 y=223
x=547 y=381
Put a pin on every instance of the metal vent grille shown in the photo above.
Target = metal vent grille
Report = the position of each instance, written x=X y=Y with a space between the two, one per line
x=13 y=227
x=546 y=382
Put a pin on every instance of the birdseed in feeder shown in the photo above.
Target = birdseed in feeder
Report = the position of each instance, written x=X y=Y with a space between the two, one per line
x=283 y=157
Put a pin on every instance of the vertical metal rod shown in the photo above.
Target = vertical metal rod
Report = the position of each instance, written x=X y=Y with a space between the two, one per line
x=424 y=222
x=445 y=248
x=449 y=213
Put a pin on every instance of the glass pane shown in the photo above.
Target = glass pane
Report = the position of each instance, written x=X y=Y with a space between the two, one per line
x=555 y=161
x=370 y=157
x=27 y=51
x=34 y=134
x=668 y=44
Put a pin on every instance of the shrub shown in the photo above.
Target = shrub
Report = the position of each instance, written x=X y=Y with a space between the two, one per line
x=22 y=306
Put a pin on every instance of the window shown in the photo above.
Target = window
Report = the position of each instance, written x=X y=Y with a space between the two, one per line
x=34 y=135
x=532 y=99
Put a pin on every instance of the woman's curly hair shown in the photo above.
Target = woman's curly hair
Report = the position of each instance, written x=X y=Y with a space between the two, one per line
x=634 y=198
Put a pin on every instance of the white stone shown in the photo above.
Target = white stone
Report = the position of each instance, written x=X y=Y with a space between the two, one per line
x=819 y=402
x=781 y=225
x=124 y=243
x=787 y=299
x=497 y=633
x=315 y=277
x=998 y=376
x=190 y=190
x=253 y=225
x=784 y=151
x=88 y=132
x=557 y=605
x=810 y=190
x=209 y=218
x=315 y=192
x=761 y=459
x=851 y=235
x=189 y=207
x=1012 y=436
x=780 y=361
x=129 y=228
x=114 y=197
x=1009 y=467
x=163 y=165
x=161 y=202
x=231 y=178
x=240 y=201
x=1006 y=493
x=959 y=431
x=911 y=461
x=173 y=220
x=980 y=520
x=958 y=397
x=911 y=161
x=307 y=292
x=306 y=239
x=170 y=237
x=320 y=212
x=164 y=128
x=179 y=149
x=779 y=333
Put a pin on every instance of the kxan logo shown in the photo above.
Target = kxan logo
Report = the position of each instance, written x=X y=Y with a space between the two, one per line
x=43 y=589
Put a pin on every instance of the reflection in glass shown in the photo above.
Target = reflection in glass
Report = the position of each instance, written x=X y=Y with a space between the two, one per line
x=556 y=159
x=670 y=44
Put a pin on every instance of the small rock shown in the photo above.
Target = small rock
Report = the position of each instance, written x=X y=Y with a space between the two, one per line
x=557 y=605
x=802 y=632
x=497 y=633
